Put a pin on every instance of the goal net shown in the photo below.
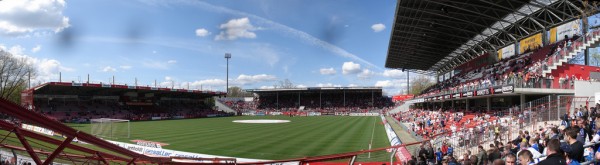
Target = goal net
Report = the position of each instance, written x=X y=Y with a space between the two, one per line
x=110 y=128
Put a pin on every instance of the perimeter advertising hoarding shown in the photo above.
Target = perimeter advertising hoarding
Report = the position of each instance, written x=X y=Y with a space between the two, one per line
x=530 y=43
x=569 y=29
x=502 y=89
x=482 y=92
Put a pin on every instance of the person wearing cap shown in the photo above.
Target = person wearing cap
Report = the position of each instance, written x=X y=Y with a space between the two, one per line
x=554 y=151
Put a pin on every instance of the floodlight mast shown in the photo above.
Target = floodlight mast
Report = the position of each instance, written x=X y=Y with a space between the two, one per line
x=227 y=56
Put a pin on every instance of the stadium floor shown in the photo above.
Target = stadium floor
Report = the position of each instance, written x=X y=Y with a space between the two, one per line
x=303 y=136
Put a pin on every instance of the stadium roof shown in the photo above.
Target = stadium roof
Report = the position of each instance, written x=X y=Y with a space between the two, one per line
x=435 y=35
x=315 y=89
x=85 y=89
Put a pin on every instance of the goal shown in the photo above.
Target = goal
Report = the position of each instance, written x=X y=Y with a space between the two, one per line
x=110 y=128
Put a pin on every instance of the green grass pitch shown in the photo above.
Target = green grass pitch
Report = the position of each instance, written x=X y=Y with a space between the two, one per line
x=303 y=136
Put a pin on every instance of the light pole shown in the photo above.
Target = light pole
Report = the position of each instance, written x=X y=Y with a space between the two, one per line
x=227 y=56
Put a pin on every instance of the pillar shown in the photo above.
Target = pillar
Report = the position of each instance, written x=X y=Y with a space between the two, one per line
x=522 y=101
x=467 y=104
x=489 y=103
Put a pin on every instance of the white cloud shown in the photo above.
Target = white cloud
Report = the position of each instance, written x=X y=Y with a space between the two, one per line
x=209 y=82
x=288 y=31
x=250 y=79
x=394 y=73
x=327 y=71
x=47 y=69
x=384 y=84
x=366 y=74
x=23 y=17
x=350 y=68
x=378 y=27
x=328 y=85
x=392 y=87
x=352 y=85
x=236 y=28
x=301 y=86
x=266 y=53
x=158 y=64
x=125 y=67
x=202 y=32
x=109 y=69
x=36 y=49
x=267 y=87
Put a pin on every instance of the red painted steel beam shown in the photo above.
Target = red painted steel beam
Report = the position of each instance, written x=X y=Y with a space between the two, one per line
x=32 y=153
x=102 y=158
x=58 y=150
x=21 y=113
x=132 y=161
x=8 y=126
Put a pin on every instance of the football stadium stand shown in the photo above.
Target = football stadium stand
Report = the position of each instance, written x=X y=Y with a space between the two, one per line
x=80 y=102
x=514 y=83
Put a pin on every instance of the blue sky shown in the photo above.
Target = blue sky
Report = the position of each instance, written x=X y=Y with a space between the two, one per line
x=181 y=42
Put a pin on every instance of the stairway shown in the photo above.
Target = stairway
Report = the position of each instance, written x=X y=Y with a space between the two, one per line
x=593 y=37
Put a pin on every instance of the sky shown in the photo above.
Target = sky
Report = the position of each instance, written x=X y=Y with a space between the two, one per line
x=181 y=43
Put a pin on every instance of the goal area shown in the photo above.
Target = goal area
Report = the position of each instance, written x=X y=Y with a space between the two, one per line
x=110 y=128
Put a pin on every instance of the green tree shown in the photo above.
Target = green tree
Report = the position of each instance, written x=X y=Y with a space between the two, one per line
x=14 y=74
x=420 y=83
x=596 y=57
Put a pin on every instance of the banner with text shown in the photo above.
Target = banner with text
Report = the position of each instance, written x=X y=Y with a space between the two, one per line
x=530 y=43
x=568 y=29
x=506 y=52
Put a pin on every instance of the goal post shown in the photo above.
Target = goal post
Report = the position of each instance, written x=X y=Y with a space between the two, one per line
x=110 y=128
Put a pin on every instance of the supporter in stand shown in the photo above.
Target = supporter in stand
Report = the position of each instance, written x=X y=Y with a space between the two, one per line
x=555 y=154
x=510 y=159
x=575 y=145
x=525 y=158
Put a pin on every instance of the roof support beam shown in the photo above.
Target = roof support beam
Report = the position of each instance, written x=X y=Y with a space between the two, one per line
x=454 y=18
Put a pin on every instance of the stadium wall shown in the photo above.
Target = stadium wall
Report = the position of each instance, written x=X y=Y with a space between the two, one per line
x=587 y=88
x=579 y=71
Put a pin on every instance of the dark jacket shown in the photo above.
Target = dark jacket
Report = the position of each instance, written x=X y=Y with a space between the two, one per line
x=554 y=159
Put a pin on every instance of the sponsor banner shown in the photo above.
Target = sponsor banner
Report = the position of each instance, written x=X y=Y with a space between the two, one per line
x=402 y=155
x=248 y=114
x=530 y=43
x=275 y=113
x=483 y=92
x=364 y=114
x=456 y=95
x=77 y=84
x=150 y=144
x=568 y=29
x=154 y=88
x=159 y=152
x=508 y=89
x=106 y=85
x=314 y=113
x=502 y=89
x=506 y=52
x=156 y=118
x=467 y=94
x=402 y=97
x=178 y=117
x=37 y=129
x=342 y=114
x=131 y=87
